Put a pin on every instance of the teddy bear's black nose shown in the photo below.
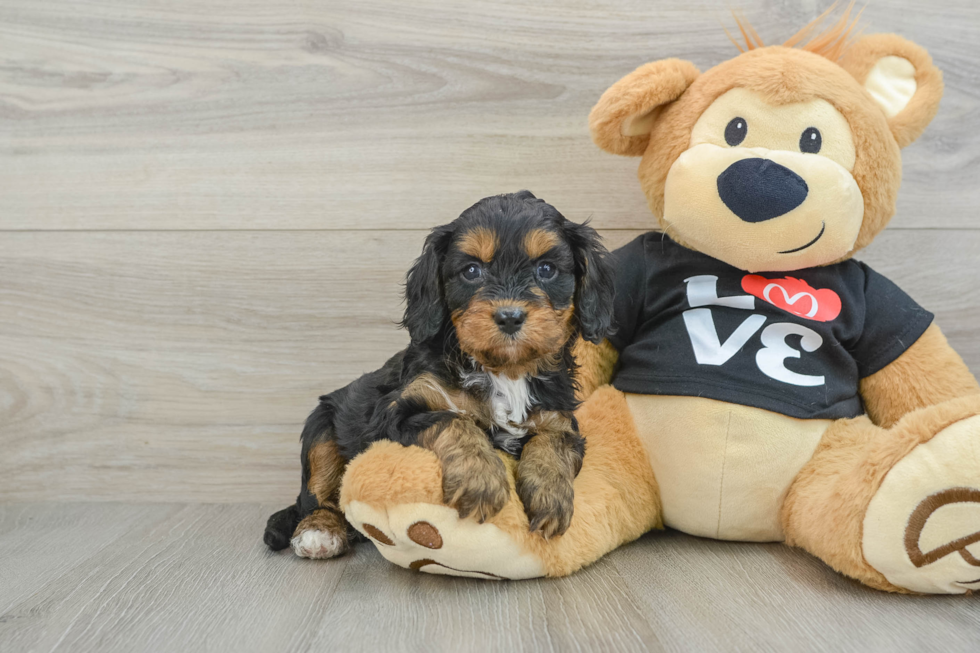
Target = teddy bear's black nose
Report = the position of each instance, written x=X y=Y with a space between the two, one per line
x=759 y=189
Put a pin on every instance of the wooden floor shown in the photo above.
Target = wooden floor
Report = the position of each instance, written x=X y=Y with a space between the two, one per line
x=111 y=577
x=206 y=211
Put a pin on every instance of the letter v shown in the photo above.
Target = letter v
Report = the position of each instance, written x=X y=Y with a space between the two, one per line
x=708 y=350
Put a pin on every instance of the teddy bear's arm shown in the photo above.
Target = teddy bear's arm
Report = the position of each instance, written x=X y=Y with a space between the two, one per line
x=595 y=366
x=929 y=372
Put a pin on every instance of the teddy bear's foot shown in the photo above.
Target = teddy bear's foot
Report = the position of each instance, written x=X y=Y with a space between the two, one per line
x=432 y=538
x=896 y=508
x=922 y=527
x=394 y=496
x=323 y=534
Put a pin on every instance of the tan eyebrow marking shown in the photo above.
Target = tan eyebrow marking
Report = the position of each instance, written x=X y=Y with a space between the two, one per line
x=539 y=241
x=479 y=242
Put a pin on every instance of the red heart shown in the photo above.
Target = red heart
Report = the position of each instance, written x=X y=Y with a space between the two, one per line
x=794 y=296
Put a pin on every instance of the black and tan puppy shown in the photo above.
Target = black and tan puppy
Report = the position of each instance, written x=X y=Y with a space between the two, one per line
x=494 y=304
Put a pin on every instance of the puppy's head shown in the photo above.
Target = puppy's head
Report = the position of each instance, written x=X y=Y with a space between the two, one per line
x=515 y=279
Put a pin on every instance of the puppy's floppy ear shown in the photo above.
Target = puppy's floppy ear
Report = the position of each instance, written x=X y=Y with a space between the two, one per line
x=622 y=119
x=425 y=310
x=901 y=79
x=594 y=282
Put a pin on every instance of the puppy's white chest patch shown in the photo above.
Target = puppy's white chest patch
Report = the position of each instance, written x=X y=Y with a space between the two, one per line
x=511 y=399
x=510 y=402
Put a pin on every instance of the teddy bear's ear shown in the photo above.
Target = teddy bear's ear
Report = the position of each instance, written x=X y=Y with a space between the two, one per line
x=901 y=78
x=622 y=119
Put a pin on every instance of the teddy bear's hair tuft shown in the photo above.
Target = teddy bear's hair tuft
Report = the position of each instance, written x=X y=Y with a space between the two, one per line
x=831 y=42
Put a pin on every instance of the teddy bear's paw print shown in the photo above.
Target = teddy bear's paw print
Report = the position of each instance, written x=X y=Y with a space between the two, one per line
x=433 y=539
x=922 y=528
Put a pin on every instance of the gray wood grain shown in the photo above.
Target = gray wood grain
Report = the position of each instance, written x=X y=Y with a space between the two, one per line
x=181 y=579
x=179 y=366
x=707 y=595
x=40 y=543
x=188 y=578
x=384 y=114
x=592 y=611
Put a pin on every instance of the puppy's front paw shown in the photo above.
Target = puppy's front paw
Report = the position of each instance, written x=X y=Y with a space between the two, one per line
x=548 y=503
x=475 y=485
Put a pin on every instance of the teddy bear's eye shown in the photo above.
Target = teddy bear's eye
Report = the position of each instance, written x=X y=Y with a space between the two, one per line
x=811 y=140
x=735 y=131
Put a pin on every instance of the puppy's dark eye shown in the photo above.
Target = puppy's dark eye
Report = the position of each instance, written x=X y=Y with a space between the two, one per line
x=472 y=272
x=547 y=270
x=735 y=131
x=811 y=140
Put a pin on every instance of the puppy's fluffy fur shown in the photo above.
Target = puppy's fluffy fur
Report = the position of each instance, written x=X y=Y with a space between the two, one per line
x=494 y=305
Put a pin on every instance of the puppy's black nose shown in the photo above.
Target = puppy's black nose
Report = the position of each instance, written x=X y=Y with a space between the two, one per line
x=509 y=319
x=759 y=189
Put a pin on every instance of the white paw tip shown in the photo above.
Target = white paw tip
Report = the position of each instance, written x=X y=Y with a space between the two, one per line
x=317 y=544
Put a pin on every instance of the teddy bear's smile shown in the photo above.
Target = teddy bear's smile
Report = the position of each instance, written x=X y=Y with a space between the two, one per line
x=823 y=228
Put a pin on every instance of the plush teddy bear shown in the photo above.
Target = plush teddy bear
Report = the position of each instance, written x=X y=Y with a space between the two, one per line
x=767 y=387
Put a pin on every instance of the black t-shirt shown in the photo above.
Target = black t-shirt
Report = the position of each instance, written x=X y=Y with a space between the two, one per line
x=794 y=343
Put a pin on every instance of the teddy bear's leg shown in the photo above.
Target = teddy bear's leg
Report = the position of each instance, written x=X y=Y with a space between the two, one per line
x=896 y=508
x=393 y=495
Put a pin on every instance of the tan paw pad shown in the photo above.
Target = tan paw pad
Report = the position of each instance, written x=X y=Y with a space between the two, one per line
x=425 y=534
x=375 y=533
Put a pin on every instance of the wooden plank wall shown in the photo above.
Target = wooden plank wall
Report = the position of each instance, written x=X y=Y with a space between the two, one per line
x=206 y=207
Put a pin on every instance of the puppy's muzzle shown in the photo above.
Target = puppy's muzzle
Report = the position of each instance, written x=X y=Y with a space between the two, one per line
x=510 y=319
